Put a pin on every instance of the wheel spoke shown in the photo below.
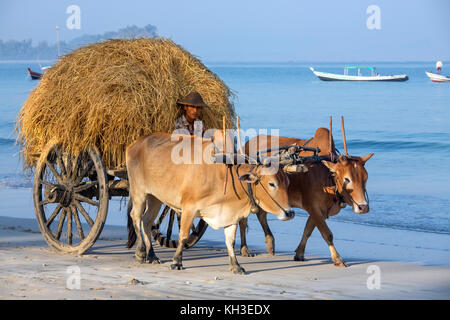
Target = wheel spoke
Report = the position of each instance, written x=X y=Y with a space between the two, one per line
x=60 y=162
x=49 y=184
x=85 y=186
x=83 y=212
x=44 y=202
x=55 y=173
x=69 y=226
x=77 y=222
x=163 y=214
x=68 y=164
x=170 y=225
x=61 y=224
x=73 y=172
x=85 y=171
x=85 y=199
x=53 y=216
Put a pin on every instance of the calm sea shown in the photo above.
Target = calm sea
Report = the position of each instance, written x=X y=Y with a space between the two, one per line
x=406 y=125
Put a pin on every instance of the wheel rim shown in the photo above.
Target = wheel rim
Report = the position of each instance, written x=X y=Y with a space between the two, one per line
x=166 y=226
x=70 y=198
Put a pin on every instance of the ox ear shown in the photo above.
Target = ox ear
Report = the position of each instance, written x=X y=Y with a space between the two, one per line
x=330 y=165
x=366 y=157
x=249 y=178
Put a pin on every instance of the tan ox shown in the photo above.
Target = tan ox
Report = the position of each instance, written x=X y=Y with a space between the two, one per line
x=219 y=144
x=322 y=192
x=196 y=190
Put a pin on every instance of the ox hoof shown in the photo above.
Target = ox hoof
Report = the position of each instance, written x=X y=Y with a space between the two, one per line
x=340 y=263
x=299 y=258
x=141 y=258
x=238 y=270
x=154 y=260
x=270 y=250
x=176 y=266
x=270 y=245
x=245 y=252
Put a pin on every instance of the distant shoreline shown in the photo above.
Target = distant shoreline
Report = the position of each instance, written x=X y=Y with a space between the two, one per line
x=26 y=61
x=255 y=62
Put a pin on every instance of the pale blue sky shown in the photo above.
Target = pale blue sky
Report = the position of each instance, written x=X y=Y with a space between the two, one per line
x=253 y=30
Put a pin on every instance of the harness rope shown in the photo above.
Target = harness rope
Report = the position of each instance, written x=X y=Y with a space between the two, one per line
x=250 y=194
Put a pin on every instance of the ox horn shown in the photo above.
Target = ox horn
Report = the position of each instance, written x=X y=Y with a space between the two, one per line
x=239 y=135
x=225 y=151
x=330 y=139
x=343 y=136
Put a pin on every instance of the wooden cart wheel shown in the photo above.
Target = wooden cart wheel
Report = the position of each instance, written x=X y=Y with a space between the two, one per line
x=162 y=230
x=70 y=194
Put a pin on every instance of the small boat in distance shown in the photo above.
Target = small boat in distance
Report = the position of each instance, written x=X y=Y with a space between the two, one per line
x=325 y=76
x=437 y=77
x=37 y=75
x=34 y=75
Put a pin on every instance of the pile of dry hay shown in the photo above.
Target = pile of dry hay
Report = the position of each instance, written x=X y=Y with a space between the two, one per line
x=108 y=94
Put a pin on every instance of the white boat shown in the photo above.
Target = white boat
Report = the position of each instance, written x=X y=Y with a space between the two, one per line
x=437 y=77
x=325 y=76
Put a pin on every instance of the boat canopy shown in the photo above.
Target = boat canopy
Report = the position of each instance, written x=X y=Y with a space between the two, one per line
x=356 y=67
x=372 y=69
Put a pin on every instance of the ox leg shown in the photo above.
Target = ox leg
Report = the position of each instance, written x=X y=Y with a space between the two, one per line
x=136 y=215
x=300 y=251
x=242 y=229
x=321 y=224
x=269 y=239
x=153 y=207
x=230 y=236
x=187 y=217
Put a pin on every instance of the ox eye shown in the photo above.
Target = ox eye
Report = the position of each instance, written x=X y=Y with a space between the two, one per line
x=272 y=185
x=346 y=181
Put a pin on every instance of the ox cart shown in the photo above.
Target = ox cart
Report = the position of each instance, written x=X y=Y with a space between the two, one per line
x=92 y=103
x=71 y=194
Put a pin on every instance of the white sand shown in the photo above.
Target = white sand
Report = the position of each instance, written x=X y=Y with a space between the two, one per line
x=29 y=269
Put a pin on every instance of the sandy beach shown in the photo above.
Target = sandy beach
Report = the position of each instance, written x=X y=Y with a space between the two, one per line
x=30 y=269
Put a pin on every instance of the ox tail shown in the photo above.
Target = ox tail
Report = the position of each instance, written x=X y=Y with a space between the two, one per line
x=131 y=232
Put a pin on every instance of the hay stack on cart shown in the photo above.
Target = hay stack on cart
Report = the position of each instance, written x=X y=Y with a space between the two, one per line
x=75 y=126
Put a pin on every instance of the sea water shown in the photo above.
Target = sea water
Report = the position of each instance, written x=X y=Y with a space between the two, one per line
x=405 y=124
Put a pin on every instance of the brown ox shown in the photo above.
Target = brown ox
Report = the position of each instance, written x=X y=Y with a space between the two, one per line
x=322 y=192
x=196 y=190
